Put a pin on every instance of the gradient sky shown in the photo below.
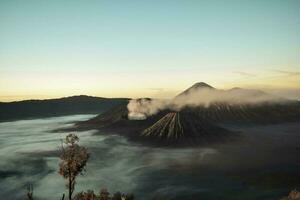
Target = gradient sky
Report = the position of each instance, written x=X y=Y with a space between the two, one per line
x=54 y=48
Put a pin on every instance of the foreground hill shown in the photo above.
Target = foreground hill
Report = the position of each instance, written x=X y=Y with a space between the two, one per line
x=57 y=107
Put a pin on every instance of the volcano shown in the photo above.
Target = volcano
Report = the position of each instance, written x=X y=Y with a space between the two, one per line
x=185 y=128
x=116 y=120
x=193 y=124
x=166 y=128
x=196 y=86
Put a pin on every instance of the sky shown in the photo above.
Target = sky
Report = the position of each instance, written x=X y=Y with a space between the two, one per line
x=139 y=48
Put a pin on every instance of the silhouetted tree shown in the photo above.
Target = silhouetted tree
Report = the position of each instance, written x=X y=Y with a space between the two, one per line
x=89 y=195
x=104 y=194
x=128 y=196
x=117 y=196
x=73 y=161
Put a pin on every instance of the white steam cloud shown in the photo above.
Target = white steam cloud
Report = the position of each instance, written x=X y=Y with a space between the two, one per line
x=195 y=97
x=142 y=108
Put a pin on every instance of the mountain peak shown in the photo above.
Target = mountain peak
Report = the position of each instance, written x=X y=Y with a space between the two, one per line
x=198 y=85
x=201 y=85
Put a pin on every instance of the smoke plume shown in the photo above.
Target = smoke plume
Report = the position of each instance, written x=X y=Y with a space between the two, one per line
x=140 y=109
x=195 y=97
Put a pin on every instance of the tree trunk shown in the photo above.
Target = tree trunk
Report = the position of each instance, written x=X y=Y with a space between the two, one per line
x=70 y=189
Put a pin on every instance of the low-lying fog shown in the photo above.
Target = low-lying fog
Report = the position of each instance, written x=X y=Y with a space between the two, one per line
x=262 y=165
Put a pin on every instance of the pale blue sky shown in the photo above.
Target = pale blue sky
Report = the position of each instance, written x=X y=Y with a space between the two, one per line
x=123 y=48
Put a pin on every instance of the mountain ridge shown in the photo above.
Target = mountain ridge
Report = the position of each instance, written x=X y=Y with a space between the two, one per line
x=80 y=104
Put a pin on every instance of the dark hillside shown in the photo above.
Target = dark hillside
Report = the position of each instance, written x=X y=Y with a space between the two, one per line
x=181 y=128
x=116 y=120
x=267 y=113
x=56 y=107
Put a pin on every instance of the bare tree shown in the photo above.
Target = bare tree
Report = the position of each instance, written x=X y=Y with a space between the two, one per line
x=73 y=161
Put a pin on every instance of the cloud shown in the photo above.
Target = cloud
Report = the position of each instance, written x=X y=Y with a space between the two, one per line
x=244 y=73
x=291 y=93
x=288 y=73
x=156 y=89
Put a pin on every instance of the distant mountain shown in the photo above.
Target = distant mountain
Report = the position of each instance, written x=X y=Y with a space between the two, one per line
x=196 y=86
x=57 y=107
x=268 y=112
